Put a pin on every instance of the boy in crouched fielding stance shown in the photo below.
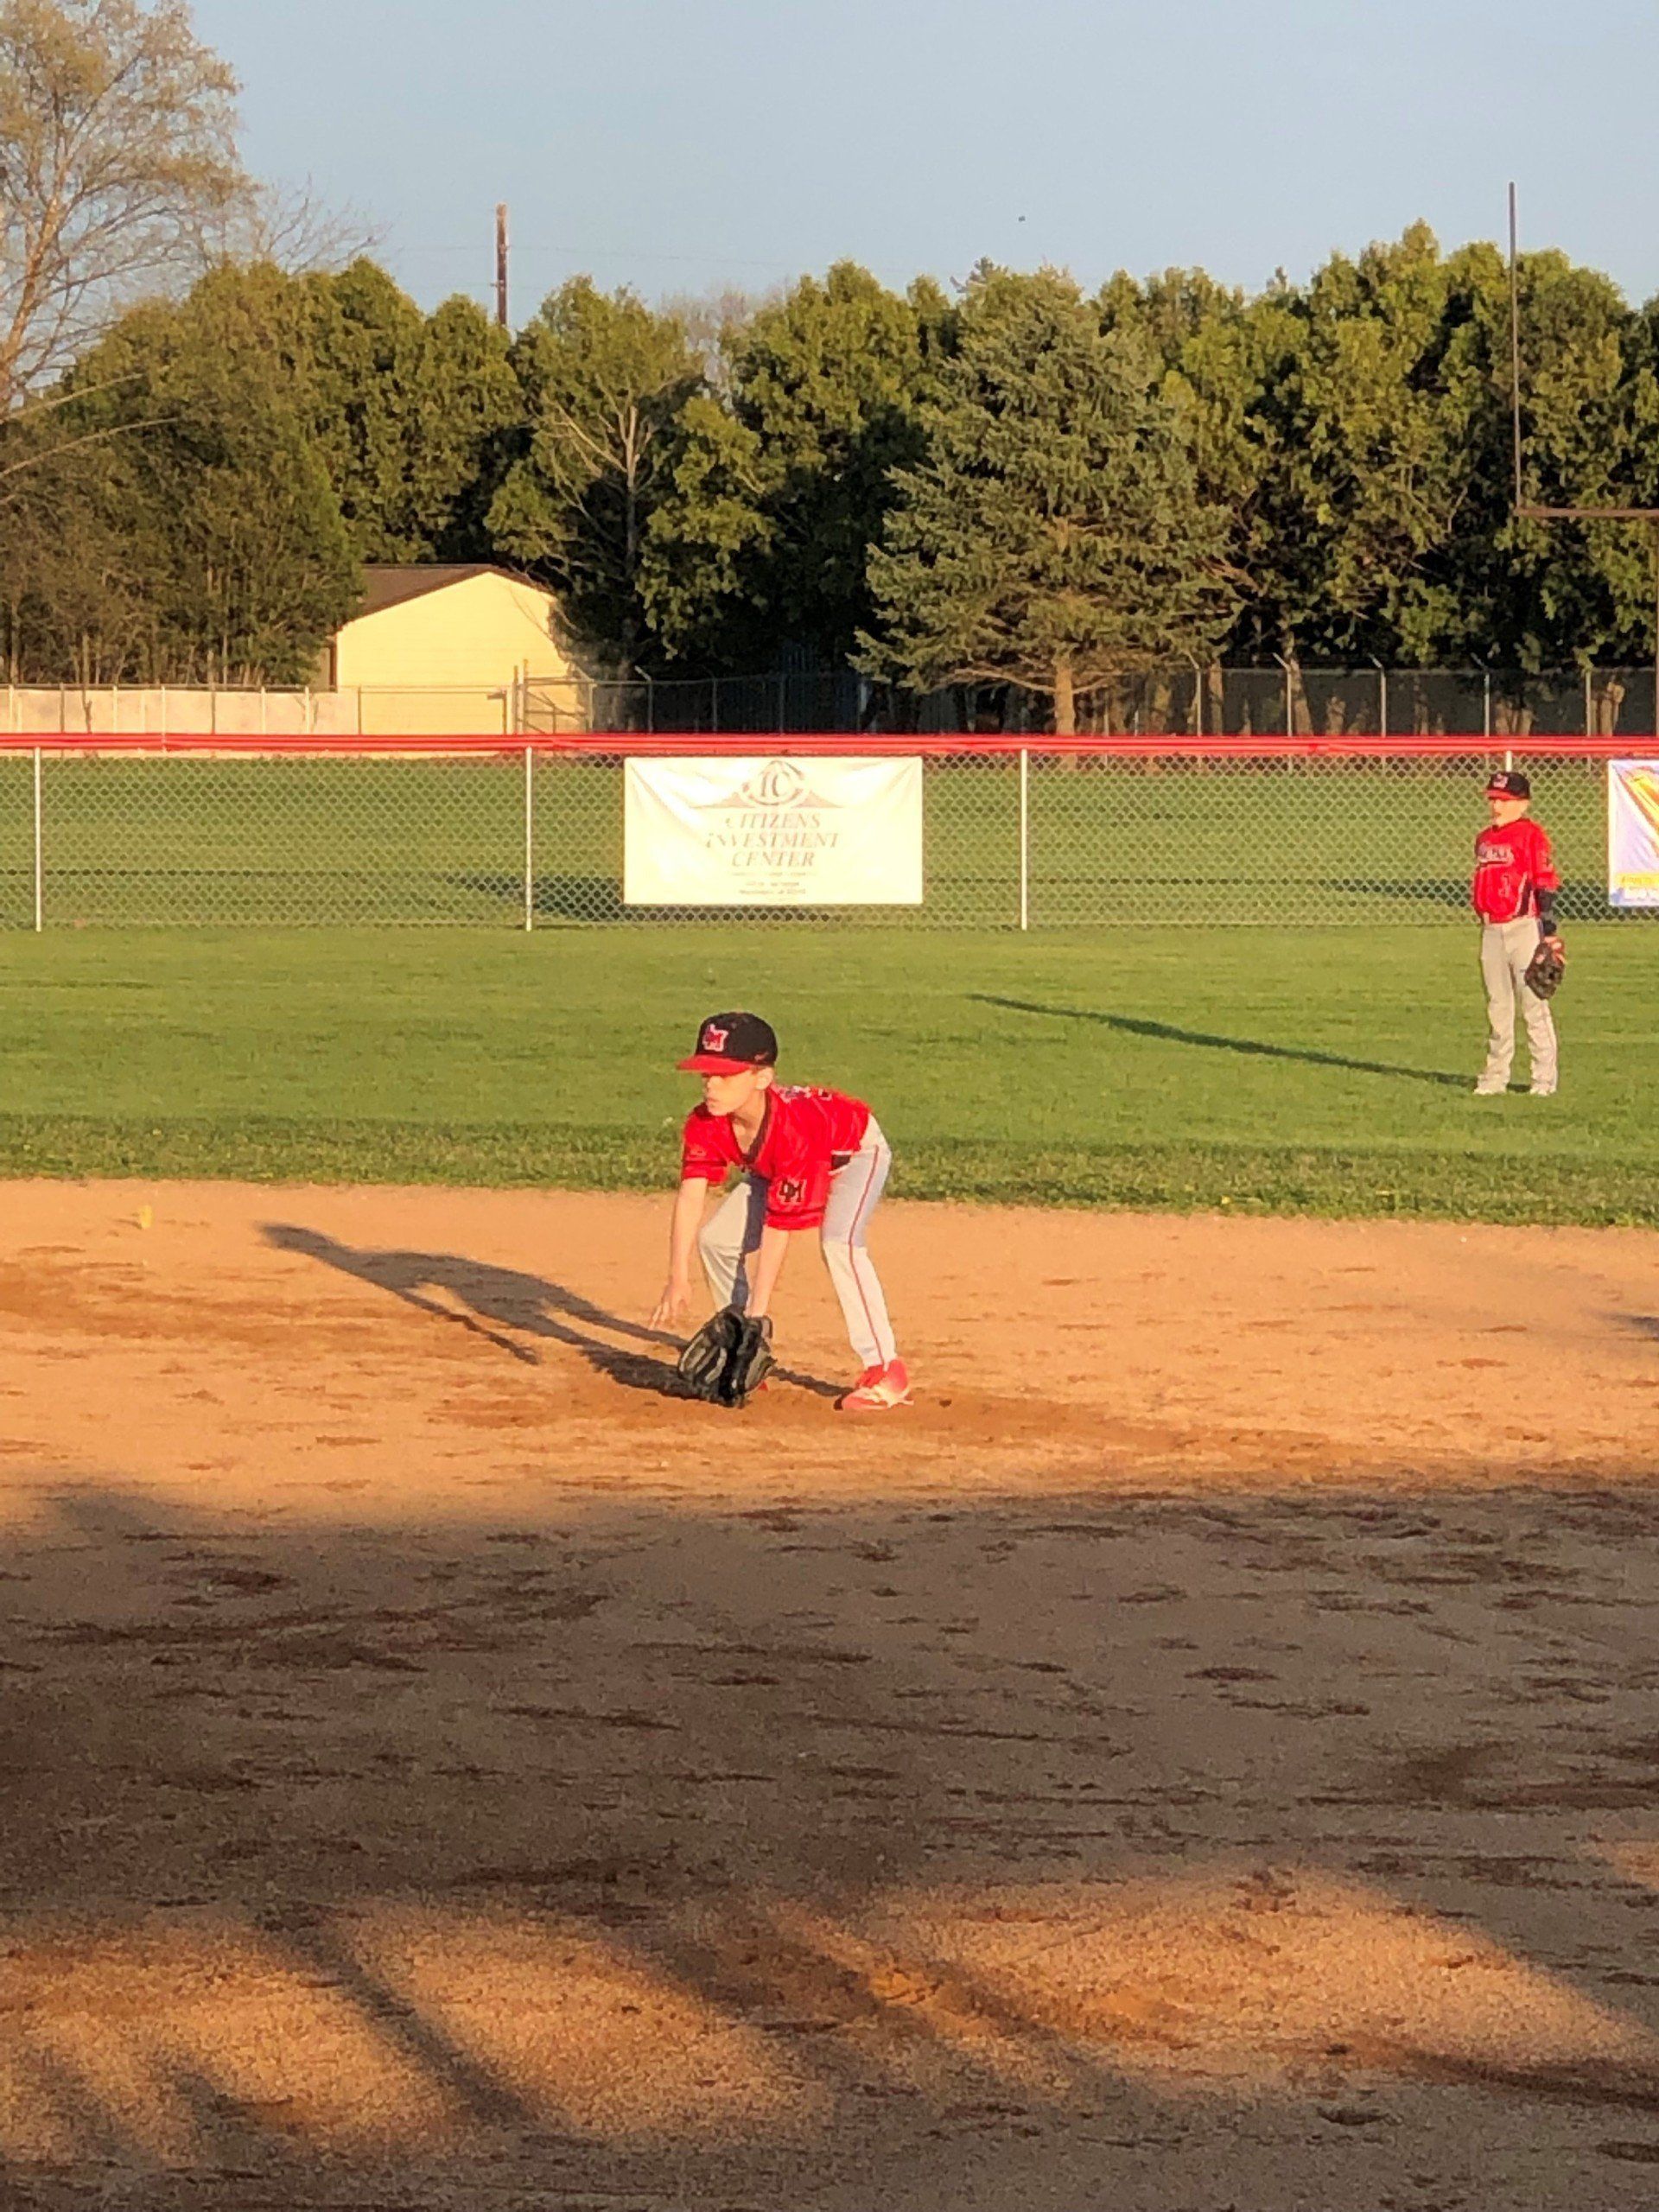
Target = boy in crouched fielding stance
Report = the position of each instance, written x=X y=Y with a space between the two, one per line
x=807 y=1158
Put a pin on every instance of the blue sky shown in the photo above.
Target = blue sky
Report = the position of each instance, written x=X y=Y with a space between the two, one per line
x=680 y=145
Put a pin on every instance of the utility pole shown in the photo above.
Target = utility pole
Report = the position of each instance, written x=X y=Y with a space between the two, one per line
x=501 y=264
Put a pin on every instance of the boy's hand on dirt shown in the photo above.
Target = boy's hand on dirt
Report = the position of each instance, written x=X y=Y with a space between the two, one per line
x=670 y=1306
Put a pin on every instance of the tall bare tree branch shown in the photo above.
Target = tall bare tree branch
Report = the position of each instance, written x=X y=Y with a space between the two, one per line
x=117 y=153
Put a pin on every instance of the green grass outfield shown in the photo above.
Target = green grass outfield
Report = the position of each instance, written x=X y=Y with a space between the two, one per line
x=1309 y=1071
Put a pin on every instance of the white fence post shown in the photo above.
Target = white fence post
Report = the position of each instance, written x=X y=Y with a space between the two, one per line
x=1024 y=837
x=40 y=866
x=530 y=837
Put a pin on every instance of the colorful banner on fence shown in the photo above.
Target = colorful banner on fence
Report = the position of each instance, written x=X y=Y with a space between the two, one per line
x=799 y=831
x=1633 y=833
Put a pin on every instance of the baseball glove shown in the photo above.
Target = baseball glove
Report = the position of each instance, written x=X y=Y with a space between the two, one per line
x=730 y=1358
x=703 y=1364
x=1546 y=968
x=751 y=1361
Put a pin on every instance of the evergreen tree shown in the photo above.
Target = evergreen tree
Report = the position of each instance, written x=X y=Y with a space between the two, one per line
x=1054 y=538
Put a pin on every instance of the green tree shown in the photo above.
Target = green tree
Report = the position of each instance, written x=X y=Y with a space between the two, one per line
x=775 y=498
x=1054 y=536
x=1374 y=508
x=72 y=606
x=1224 y=356
x=605 y=380
x=1530 y=595
x=409 y=410
x=1374 y=453
x=195 y=488
x=706 y=538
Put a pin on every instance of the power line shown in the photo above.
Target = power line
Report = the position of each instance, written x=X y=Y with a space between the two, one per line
x=542 y=247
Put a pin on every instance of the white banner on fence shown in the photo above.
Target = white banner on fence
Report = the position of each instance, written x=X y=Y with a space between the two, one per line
x=1633 y=833
x=805 y=831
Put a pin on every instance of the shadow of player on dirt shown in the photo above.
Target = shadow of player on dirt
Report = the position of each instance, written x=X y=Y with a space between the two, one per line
x=1164 y=1032
x=498 y=1299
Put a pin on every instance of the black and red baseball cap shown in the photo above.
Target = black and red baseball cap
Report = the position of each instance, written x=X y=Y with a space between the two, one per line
x=728 y=1042
x=1508 y=783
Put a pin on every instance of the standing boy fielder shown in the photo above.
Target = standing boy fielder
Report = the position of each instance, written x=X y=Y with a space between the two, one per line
x=810 y=1160
x=1514 y=893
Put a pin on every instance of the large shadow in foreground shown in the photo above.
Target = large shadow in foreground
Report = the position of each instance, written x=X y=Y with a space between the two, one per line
x=1155 y=1851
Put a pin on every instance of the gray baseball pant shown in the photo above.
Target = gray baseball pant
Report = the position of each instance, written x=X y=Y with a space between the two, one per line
x=732 y=1232
x=1505 y=949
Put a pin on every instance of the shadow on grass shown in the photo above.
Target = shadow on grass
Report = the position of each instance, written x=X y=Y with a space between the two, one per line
x=498 y=1299
x=553 y=897
x=1130 y=1025
x=1409 y=890
x=599 y=898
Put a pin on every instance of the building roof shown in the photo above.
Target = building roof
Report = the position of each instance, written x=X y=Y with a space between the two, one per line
x=389 y=583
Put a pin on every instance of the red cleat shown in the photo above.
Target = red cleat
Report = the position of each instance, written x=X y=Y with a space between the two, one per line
x=877 y=1389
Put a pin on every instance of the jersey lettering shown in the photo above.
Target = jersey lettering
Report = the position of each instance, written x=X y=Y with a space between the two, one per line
x=807 y=1133
x=1512 y=865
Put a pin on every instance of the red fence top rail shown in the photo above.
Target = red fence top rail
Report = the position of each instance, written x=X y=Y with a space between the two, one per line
x=771 y=744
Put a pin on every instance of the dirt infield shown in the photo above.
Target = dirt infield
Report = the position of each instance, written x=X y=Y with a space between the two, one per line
x=1204 y=1754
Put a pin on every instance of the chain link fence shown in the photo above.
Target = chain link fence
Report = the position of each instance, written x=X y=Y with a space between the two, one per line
x=1279 y=701
x=531 y=837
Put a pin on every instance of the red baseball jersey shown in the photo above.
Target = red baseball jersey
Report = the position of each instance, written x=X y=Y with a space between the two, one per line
x=806 y=1134
x=1512 y=865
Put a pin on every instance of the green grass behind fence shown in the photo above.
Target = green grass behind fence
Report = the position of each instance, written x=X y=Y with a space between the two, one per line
x=270 y=842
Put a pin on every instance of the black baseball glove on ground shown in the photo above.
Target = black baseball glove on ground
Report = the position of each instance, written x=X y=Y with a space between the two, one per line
x=728 y=1358
x=751 y=1361
x=703 y=1364
x=1546 y=968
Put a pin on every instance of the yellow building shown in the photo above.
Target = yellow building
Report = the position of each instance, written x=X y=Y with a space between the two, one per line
x=439 y=649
